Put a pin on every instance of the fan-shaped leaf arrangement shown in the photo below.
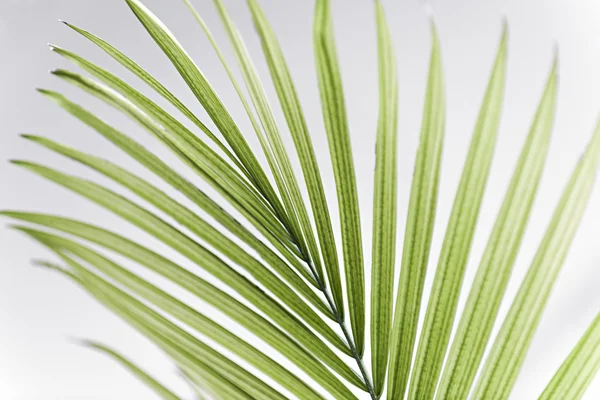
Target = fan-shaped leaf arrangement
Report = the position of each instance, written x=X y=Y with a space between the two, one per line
x=297 y=290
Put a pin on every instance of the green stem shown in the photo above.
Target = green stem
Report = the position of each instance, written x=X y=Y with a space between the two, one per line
x=339 y=320
x=347 y=335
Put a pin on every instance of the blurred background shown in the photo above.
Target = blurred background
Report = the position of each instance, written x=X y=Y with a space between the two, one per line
x=40 y=311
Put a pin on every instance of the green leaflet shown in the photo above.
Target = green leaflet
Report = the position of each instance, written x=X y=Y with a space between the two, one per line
x=272 y=144
x=210 y=235
x=384 y=205
x=205 y=259
x=419 y=227
x=182 y=312
x=261 y=104
x=174 y=128
x=492 y=276
x=298 y=128
x=441 y=308
x=149 y=381
x=237 y=192
x=206 y=95
x=238 y=199
x=156 y=86
x=170 y=132
x=578 y=370
x=181 y=356
x=213 y=296
x=510 y=347
x=336 y=124
x=161 y=330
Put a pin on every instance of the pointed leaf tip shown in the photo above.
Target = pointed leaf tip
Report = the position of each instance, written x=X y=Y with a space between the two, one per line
x=556 y=54
x=42 y=91
x=29 y=136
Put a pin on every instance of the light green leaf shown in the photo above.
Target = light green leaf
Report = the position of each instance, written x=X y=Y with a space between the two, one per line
x=441 y=308
x=169 y=131
x=578 y=370
x=511 y=345
x=271 y=142
x=496 y=265
x=336 y=124
x=200 y=255
x=235 y=195
x=419 y=227
x=261 y=104
x=233 y=189
x=156 y=86
x=169 y=336
x=174 y=129
x=143 y=376
x=192 y=283
x=210 y=235
x=121 y=304
x=302 y=141
x=384 y=205
x=182 y=312
x=207 y=96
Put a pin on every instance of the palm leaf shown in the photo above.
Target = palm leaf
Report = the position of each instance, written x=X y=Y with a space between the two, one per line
x=154 y=84
x=419 y=228
x=184 y=347
x=243 y=203
x=200 y=155
x=202 y=229
x=268 y=142
x=455 y=250
x=246 y=317
x=492 y=277
x=261 y=104
x=338 y=135
x=384 y=210
x=124 y=306
x=202 y=257
x=578 y=370
x=510 y=347
x=299 y=131
x=180 y=311
x=207 y=96
x=285 y=275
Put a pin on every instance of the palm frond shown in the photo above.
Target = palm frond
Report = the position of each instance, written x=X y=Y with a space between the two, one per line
x=209 y=99
x=297 y=124
x=459 y=234
x=277 y=255
x=385 y=206
x=419 y=228
x=338 y=135
x=490 y=283
x=510 y=347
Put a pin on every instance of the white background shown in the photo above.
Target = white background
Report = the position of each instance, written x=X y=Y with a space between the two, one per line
x=39 y=310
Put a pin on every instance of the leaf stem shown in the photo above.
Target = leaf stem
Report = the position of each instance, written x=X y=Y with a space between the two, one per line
x=347 y=335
